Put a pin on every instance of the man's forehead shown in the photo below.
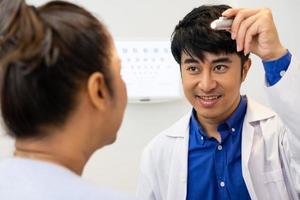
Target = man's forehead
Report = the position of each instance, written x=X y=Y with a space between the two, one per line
x=205 y=56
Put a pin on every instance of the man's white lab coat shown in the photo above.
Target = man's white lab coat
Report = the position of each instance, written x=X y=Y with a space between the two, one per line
x=270 y=150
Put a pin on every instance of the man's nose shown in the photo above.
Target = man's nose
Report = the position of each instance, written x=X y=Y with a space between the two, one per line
x=207 y=83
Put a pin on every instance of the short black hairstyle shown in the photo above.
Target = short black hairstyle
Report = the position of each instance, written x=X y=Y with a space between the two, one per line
x=194 y=36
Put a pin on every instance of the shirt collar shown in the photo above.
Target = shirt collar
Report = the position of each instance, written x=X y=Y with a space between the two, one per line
x=236 y=117
x=195 y=125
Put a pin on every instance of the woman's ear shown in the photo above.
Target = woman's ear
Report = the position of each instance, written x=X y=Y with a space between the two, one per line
x=98 y=91
x=246 y=68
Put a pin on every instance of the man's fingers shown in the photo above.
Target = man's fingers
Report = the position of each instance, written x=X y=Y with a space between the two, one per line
x=242 y=15
x=231 y=12
x=242 y=31
x=251 y=32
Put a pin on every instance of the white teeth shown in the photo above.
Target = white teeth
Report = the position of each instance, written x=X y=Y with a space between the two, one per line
x=208 y=97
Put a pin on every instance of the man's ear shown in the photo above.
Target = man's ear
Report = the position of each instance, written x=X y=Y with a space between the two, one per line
x=246 y=68
x=98 y=91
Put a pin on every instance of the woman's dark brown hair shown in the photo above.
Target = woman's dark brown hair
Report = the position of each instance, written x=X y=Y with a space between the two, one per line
x=46 y=54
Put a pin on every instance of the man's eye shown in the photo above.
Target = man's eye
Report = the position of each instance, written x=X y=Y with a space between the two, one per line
x=220 y=68
x=193 y=69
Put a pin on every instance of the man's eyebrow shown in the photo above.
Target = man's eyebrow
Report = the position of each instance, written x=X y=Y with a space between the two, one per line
x=190 y=60
x=217 y=60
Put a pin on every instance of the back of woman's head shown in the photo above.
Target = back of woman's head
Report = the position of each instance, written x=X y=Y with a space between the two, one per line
x=46 y=55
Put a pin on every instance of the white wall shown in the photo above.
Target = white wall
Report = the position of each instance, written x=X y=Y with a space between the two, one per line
x=117 y=165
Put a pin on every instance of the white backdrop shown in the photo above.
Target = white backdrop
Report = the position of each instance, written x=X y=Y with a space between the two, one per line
x=116 y=166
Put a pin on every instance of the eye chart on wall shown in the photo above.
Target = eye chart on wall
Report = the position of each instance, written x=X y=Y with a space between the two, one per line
x=149 y=70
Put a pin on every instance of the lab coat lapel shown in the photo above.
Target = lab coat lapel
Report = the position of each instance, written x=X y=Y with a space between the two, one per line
x=255 y=113
x=247 y=142
x=178 y=171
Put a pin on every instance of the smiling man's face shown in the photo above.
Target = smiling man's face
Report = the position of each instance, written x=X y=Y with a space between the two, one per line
x=212 y=86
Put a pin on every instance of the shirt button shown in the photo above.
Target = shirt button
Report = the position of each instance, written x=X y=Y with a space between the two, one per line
x=202 y=138
x=282 y=73
x=222 y=184
x=233 y=129
x=220 y=147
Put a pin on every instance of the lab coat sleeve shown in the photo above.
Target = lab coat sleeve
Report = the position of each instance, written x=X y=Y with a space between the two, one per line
x=284 y=98
x=145 y=187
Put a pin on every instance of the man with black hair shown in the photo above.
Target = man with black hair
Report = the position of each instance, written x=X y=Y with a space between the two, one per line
x=229 y=146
